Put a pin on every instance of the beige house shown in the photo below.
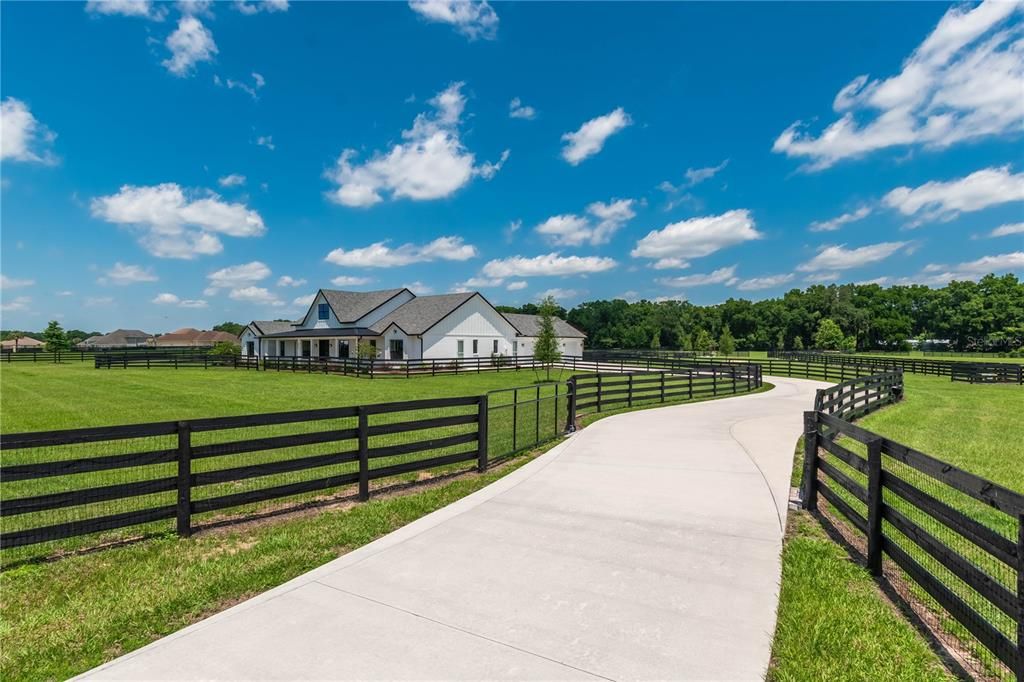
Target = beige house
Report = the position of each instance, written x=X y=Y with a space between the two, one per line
x=22 y=343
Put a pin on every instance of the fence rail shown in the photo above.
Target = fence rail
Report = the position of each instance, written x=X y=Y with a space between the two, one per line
x=175 y=360
x=1004 y=372
x=958 y=537
x=37 y=356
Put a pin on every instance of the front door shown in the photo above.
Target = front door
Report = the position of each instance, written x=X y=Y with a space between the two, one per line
x=397 y=349
x=305 y=349
x=250 y=348
x=323 y=348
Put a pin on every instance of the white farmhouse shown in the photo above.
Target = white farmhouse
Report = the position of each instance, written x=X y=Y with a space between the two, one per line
x=403 y=326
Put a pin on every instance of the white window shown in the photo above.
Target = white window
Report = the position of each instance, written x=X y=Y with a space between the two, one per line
x=495 y=346
x=461 y=347
x=475 y=343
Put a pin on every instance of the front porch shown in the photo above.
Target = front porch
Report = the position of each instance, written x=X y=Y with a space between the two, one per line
x=334 y=343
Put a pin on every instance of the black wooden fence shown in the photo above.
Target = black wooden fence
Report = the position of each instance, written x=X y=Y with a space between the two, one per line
x=175 y=360
x=1006 y=372
x=124 y=476
x=959 y=538
x=83 y=355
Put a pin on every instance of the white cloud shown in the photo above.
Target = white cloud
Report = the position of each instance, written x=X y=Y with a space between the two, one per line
x=174 y=225
x=479 y=283
x=946 y=200
x=430 y=163
x=516 y=109
x=12 y=283
x=192 y=303
x=190 y=44
x=472 y=19
x=98 y=301
x=517 y=286
x=303 y=301
x=350 y=281
x=696 y=237
x=551 y=264
x=670 y=264
x=820 y=277
x=769 y=282
x=559 y=294
x=127 y=8
x=236 y=276
x=1008 y=229
x=289 y=281
x=258 y=6
x=840 y=258
x=511 y=229
x=16 y=304
x=963 y=82
x=695 y=176
x=258 y=82
x=880 y=281
x=122 y=274
x=22 y=136
x=233 y=180
x=719 y=276
x=940 y=275
x=266 y=141
x=380 y=255
x=253 y=294
x=419 y=288
x=837 y=222
x=591 y=136
x=166 y=299
x=573 y=230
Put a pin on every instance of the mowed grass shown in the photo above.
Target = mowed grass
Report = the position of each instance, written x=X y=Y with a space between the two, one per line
x=36 y=397
x=833 y=623
x=64 y=617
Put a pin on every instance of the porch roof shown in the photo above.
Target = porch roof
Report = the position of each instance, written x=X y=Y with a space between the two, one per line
x=329 y=332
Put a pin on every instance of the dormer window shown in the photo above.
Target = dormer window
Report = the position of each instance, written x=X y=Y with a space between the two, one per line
x=323 y=311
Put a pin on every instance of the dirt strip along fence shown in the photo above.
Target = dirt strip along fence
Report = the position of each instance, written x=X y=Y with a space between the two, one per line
x=1003 y=372
x=951 y=539
x=174 y=360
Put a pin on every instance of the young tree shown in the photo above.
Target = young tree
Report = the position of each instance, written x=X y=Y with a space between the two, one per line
x=780 y=341
x=798 y=343
x=226 y=348
x=829 y=336
x=702 y=341
x=656 y=339
x=545 y=350
x=685 y=342
x=726 y=343
x=850 y=344
x=55 y=337
x=366 y=350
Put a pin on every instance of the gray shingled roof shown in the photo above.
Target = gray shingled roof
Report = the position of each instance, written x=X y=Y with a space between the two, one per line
x=529 y=325
x=422 y=312
x=349 y=306
x=272 y=326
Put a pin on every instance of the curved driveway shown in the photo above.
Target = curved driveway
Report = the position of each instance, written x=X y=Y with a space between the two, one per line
x=644 y=547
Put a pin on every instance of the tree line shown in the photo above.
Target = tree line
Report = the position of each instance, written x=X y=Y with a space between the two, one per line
x=987 y=315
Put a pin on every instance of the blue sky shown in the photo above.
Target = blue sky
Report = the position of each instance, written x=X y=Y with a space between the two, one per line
x=181 y=164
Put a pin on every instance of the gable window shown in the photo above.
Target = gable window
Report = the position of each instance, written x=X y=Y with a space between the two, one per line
x=323 y=312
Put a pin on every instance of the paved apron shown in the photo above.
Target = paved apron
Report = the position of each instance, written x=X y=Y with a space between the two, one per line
x=644 y=547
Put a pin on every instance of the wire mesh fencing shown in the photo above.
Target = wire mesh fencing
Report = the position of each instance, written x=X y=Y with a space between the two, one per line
x=950 y=541
x=524 y=417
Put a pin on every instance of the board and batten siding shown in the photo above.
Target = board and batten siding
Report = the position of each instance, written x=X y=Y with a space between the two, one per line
x=567 y=346
x=474 y=319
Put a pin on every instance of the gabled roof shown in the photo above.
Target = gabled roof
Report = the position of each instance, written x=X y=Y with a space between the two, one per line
x=119 y=337
x=265 y=327
x=422 y=312
x=529 y=325
x=350 y=306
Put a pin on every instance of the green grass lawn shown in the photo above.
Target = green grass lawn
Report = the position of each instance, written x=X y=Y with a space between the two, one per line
x=831 y=616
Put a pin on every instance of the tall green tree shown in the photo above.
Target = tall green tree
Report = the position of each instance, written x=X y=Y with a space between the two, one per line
x=55 y=337
x=656 y=339
x=726 y=342
x=702 y=341
x=829 y=336
x=229 y=327
x=545 y=350
x=798 y=343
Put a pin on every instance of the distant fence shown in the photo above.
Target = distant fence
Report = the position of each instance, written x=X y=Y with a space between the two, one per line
x=86 y=355
x=995 y=373
x=175 y=360
x=598 y=392
x=1008 y=372
x=958 y=537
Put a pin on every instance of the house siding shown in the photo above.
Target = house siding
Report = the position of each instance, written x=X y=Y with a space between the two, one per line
x=474 y=319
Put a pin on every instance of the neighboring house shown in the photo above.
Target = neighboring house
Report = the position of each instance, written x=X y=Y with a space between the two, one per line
x=192 y=338
x=120 y=338
x=22 y=343
x=86 y=343
x=401 y=325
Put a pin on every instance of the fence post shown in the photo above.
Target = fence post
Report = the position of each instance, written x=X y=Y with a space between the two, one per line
x=809 y=485
x=629 y=394
x=481 y=434
x=875 y=506
x=662 y=387
x=599 y=393
x=515 y=416
x=570 y=398
x=536 y=417
x=364 y=456
x=184 y=511
x=1020 y=597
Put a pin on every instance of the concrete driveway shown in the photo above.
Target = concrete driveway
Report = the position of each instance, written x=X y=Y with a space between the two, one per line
x=644 y=547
